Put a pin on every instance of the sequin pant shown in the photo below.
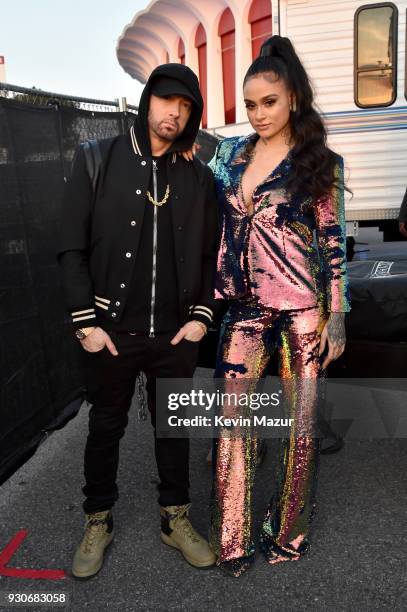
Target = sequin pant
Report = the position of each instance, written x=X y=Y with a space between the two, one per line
x=250 y=333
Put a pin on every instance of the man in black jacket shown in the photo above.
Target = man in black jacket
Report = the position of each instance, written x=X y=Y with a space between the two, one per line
x=137 y=254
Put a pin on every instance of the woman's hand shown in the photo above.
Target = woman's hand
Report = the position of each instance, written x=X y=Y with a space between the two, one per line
x=333 y=334
x=189 y=155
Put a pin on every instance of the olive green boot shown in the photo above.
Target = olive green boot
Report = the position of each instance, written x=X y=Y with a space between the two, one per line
x=88 y=559
x=177 y=531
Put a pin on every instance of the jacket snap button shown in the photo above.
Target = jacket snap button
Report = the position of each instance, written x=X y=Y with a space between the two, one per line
x=143 y=163
x=180 y=227
x=113 y=314
x=122 y=285
x=181 y=259
x=133 y=223
x=117 y=303
x=128 y=254
x=138 y=191
x=185 y=290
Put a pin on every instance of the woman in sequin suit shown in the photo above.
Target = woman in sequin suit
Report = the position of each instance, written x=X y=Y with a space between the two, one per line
x=286 y=291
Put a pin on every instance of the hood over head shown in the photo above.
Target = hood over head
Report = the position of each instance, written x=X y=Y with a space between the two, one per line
x=186 y=81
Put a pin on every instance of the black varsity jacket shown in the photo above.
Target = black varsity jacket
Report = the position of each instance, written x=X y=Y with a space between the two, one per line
x=100 y=233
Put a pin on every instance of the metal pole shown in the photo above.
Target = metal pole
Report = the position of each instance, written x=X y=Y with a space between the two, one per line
x=123 y=110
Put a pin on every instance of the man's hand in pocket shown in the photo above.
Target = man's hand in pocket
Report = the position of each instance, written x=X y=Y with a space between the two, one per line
x=97 y=340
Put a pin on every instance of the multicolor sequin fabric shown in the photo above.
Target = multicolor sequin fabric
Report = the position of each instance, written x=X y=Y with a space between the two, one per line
x=250 y=334
x=281 y=287
x=272 y=253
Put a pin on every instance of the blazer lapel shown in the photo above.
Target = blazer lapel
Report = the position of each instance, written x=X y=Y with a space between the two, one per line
x=238 y=163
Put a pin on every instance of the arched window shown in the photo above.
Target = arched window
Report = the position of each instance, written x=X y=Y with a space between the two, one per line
x=261 y=24
x=181 y=51
x=200 y=44
x=226 y=32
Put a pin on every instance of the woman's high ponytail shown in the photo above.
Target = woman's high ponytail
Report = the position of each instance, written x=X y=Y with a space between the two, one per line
x=313 y=162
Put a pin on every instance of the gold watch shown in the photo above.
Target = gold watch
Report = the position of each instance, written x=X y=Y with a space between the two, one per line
x=83 y=332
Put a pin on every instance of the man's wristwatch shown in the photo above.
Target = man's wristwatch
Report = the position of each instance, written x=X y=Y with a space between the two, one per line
x=83 y=332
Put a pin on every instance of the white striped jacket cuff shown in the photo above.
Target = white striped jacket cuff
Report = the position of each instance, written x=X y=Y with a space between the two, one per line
x=84 y=316
x=204 y=313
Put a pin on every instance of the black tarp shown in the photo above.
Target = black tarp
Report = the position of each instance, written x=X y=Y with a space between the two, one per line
x=39 y=373
x=379 y=300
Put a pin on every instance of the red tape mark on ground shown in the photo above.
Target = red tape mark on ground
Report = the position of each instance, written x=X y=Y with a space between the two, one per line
x=13 y=572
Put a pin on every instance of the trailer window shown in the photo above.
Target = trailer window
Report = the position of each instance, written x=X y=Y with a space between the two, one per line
x=375 y=54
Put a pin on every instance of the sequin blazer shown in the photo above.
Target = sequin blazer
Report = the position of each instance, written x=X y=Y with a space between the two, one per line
x=274 y=254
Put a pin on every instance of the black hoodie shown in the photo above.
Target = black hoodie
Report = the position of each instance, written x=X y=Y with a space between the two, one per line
x=185 y=141
x=105 y=243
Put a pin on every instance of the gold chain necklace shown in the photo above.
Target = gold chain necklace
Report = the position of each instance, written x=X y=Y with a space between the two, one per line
x=161 y=202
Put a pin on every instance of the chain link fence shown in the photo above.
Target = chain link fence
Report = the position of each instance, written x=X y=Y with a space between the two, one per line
x=40 y=97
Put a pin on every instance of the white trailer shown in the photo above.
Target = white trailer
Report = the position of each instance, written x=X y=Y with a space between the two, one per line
x=355 y=56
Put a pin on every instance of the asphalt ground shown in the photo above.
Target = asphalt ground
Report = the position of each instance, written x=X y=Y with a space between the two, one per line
x=358 y=558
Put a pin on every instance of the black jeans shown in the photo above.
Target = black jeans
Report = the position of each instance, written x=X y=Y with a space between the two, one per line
x=110 y=385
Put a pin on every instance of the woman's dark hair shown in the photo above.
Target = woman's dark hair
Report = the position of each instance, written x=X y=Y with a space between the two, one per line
x=313 y=161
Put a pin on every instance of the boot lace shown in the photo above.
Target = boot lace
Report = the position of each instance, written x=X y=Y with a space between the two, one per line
x=94 y=527
x=183 y=522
